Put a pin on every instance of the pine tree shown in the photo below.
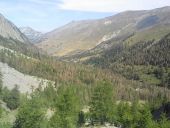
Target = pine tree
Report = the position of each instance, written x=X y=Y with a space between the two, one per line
x=30 y=115
x=164 y=122
x=13 y=98
x=81 y=118
x=124 y=115
x=101 y=106
x=67 y=109
x=145 y=118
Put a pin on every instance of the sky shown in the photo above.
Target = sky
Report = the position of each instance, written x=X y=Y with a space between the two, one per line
x=46 y=15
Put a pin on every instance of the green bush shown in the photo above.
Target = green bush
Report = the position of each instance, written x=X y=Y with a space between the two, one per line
x=12 y=98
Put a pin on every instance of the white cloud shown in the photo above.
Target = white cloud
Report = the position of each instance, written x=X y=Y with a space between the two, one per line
x=111 y=5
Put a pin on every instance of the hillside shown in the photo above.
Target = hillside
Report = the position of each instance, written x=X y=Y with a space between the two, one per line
x=14 y=42
x=11 y=37
x=25 y=60
x=121 y=78
x=9 y=30
x=151 y=52
x=77 y=37
x=25 y=83
x=145 y=61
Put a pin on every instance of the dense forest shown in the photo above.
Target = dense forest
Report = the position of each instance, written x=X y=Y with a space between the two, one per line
x=110 y=72
x=147 y=62
x=84 y=95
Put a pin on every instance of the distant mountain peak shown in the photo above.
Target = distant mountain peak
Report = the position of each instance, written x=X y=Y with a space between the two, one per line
x=33 y=35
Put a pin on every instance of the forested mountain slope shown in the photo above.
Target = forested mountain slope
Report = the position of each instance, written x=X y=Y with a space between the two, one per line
x=147 y=61
x=151 y=52
x=117 y=93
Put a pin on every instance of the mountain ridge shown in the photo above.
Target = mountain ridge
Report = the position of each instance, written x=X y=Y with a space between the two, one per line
x=33 y=35
x=81 y=36
x=9 y=30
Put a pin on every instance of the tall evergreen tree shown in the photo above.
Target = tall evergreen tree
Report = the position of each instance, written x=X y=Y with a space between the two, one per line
x=30 y=115
x=101 y=106
x=13 y=98
x=67 y=109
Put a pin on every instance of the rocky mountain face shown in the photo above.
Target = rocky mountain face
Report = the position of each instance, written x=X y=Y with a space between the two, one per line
x=12 y=38
x=9 y=30
x=81 y=36
x=13 y=41
x=33 y=35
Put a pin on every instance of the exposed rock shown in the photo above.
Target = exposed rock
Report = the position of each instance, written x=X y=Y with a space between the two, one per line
x=26 y=83
x=9 y=30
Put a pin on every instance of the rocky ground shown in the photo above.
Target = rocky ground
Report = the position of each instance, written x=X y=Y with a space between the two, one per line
x=26 y=83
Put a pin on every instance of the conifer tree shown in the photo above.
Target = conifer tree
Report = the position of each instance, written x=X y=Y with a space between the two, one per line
x=101 y=106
